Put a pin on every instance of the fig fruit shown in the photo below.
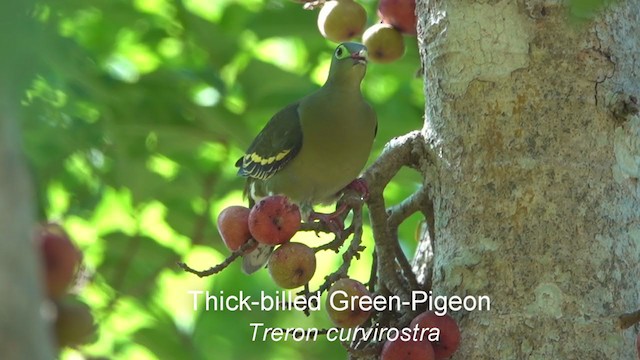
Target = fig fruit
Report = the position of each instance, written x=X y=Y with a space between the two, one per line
x=343 y=304
x=292 y=265
x=274 y=220
x=341 y=20
x=61 y=259
x=449 y=332
x=407 y=350
x=401 y=14
x=384 y=42
x=233 y=226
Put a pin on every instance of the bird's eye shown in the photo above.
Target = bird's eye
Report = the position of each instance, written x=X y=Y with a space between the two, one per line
x=341 y=52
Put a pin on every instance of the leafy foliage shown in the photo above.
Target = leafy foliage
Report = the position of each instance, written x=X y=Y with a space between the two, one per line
x=132 y=125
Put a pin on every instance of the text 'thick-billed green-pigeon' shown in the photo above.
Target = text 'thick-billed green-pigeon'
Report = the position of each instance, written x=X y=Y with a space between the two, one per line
x=310 y=150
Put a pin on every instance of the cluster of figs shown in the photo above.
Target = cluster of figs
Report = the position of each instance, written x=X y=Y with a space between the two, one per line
x=343 y=20
x=273 y=221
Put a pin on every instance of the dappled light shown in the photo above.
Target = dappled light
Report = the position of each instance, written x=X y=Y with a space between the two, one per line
x=133 y=125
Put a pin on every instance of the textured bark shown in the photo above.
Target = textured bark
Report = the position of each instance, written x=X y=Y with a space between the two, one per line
x=536 y=192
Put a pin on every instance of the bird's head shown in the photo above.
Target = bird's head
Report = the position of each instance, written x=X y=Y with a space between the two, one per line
x=349 y=62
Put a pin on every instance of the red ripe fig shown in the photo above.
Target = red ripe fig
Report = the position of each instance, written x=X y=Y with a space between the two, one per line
x=407 y=350
x=233 y=226
x=399 y=13
x=449 y=332
x=342 y=295
x=274 y=220
x=74 y=323
x=61 y=259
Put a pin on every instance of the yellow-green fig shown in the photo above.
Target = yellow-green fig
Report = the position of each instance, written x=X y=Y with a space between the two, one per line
x=384 y=42
x=341 y=20
x=292 y=265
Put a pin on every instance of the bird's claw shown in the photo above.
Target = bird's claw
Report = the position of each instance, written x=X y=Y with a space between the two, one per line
x=335 y=220
x=332 y=221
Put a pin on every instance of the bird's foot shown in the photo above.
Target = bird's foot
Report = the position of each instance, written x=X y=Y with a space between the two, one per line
x=352 y=197
x=333 y=221
x=360 y=186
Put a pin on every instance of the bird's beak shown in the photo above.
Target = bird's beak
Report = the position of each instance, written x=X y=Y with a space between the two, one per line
x=360 y=57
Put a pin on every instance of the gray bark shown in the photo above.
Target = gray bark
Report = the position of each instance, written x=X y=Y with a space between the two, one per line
x=24 y=333
x=535 y=185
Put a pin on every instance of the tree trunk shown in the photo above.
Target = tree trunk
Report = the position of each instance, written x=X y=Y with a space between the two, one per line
x=533 y=123
x=23 y=331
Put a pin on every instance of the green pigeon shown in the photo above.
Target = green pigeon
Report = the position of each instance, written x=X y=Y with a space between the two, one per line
x=313 y=148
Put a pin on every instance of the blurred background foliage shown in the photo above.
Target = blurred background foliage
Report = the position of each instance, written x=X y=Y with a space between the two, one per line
x=132 y=124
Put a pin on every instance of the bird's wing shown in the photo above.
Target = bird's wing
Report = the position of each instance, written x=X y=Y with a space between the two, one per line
x=278 y=142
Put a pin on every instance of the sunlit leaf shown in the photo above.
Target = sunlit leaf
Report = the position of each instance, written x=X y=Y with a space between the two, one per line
x=132 y=128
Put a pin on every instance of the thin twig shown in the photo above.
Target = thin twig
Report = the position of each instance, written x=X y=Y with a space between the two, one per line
x=306 y=295
x=315 y=226
x=371 y=349
x=337 y=241
x=385 y=247
x=352 y=252
x=406 y=268
x=396 y=215
x=223 y=265
x=373 y=276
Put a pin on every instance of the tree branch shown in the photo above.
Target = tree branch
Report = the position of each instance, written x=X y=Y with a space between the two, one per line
x=408 y=207
x=401 y=151
x=352 y=252
x=223 y=265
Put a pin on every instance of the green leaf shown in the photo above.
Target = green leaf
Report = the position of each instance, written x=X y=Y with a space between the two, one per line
x=132 y=263
x=175 y=343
